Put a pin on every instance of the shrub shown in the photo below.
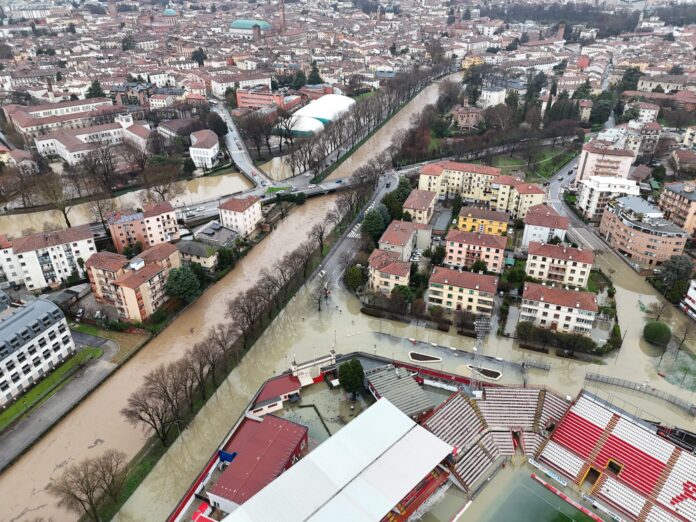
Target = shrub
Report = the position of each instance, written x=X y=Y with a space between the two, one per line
x=658 y=333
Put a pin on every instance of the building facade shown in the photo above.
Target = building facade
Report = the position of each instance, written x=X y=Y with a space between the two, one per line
x=463 y=249
x=678 y=202
x=34 y=339
x=403 y=237
x=242 y=215
x=559 y=264
x=688 y=304
x=637 y=230
x=558 y=309
x=204 y=149
x=154 y=225
x=385 y=271
x=599 y=158
x=467 y=291
x=483 y=220
x=420 y=205
x=595 y=193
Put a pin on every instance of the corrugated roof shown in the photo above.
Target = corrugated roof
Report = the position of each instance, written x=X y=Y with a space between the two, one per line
x=400 y=388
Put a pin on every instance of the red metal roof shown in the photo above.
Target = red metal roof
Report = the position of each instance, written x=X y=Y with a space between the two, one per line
x=277 y=387
x=264 y=449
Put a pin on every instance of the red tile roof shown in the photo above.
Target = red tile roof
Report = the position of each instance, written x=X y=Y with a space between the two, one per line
x=473 y=238
x=239 y=204
x=136 y=279
x=106 y=261
x=561 y=252
x=596 y=147
x=155 y=209
x=157 y=252
x=388 y=263
x=529 y=188
x=507 y=180
x=398 y=233
x=560 y=296
x=419 y=199
x=435 y=169
x=545 y=216
x=264 y=449
x=484 y=213
x=203 y=139
x=461 y=279
x=49 y=239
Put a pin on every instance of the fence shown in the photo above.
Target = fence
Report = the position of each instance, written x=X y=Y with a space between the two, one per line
x=688 y=407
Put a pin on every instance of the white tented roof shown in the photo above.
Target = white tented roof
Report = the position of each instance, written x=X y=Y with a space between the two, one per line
x=327 y=108
x=357 y=475
x=305 y=125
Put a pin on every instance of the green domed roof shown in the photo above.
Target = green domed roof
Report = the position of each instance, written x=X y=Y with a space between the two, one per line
x=249 y=24
x=169 y=12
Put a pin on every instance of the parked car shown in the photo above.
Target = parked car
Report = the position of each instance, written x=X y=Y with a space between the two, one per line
x=98 y=314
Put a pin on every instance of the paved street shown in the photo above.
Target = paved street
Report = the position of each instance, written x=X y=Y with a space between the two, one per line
x=23 y=434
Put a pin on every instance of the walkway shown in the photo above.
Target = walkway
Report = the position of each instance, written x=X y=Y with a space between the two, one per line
x=15 y=440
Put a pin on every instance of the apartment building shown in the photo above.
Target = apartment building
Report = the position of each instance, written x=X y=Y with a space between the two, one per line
x=260 y=97
x=72 y=145
x=483 y=220
x=647 y=112
x=458 y=290
x=465 y=248
x=585 y=110
x=242 y=215
x=558 y=309
x=155 y=224
x=678 y=202
x=595 y=192
x=403 y=237
x=34 y=339
x=420 y=205
x=637 y=230
x=690 y=137
x=204 y=149
x=386 y=270
x=135 y=287
x=600 y=158
x=510 y=194
x=559 y=264
x=46 y=258
x=449 y=178
x=542 y=223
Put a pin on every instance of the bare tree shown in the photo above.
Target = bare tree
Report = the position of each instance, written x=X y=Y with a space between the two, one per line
x=162 y=183
x=321 y=230
x=688 y=333
x=23 y=179
x=321 y=292
x=225 y=337
x=199 y=367
x=148 y=410
x=163 y=384
x=99 y=210
x=110 y=471
x=657 y=309
x=286 y=123
x=245 y=311
x=134 y=155
x=78 y=489
x=100 y=163
x=210 y=351
x=53 y=191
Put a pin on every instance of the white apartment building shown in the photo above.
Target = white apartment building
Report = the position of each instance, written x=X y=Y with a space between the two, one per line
x=596 y=191
x=567 y=311
x=542 y=223
x=647 y=112
x=34 y=339
x=219 y=84
x=242 y=215
x=47 y=258
x=491 y=96
x=599 y=158
x=204 y=148
x=467 y=291
x=688 y=304
x=690 y=136
x=559 y=264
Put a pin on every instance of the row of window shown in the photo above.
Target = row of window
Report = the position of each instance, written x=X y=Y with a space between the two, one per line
x=27 y=370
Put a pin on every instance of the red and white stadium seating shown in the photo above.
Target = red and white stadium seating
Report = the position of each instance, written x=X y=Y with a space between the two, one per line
x=512 y=408
x=622 y=496
x=674 y=494
x=562 y=459
x=553 y=409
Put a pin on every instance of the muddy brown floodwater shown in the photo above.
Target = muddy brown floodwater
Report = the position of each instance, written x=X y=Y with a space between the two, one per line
x=96 y=425
x=195 y=190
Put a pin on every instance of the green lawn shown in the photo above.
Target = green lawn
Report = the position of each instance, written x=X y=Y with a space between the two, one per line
x=88 y=329
x=47 y=387
x=273 y=190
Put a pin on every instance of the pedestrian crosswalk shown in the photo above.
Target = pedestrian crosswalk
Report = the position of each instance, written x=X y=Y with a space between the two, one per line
x=355 y=233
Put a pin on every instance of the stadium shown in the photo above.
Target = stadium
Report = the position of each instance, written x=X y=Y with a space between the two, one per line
x=428 y=444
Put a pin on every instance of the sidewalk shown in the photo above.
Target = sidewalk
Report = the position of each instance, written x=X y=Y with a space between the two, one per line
x=15 y=440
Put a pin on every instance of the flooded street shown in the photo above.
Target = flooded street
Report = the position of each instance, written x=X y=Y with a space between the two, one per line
x=96 y=425
x=301 y=332
x=195 y=190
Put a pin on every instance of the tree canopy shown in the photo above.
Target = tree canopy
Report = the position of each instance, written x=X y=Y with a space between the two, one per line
x=182 y=283
x=351 y=376
x=95 y=90
x=656 y=332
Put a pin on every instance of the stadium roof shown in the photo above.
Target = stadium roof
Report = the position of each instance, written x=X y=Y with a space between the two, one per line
x=396 y=385
x=327 y=108
x=357 y=475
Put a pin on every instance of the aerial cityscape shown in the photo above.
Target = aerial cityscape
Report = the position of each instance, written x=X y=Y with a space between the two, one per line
x=348 y=260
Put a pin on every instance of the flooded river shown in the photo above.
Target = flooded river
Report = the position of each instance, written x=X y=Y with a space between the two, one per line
x=301 y=332
x=193 y=191
x=96 y=425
